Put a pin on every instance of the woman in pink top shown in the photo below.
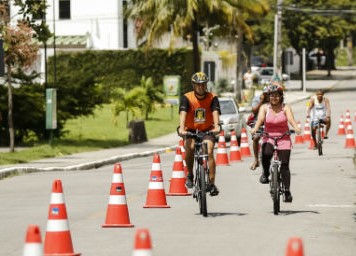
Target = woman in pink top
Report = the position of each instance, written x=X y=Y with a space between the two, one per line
x=276 y=115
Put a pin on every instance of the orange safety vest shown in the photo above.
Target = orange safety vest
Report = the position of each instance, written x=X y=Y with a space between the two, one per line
x=199 y=115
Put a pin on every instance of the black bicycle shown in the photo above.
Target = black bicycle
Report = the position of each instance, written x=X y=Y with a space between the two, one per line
x=201 y=177
x=320 y=136
x=277 y=187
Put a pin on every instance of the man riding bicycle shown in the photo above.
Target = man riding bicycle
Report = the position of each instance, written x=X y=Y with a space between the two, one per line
x=199 y=110
x=319 y=109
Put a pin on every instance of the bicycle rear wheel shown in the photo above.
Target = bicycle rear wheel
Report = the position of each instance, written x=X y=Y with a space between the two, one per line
x=320 y=141
x=274 y=189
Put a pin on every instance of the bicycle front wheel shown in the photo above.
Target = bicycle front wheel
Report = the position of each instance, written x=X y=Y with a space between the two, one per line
x=274 y=189
x=320 y=141
x=202 y=192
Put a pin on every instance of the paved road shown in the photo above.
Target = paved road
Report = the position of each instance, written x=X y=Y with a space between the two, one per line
x=240 y=220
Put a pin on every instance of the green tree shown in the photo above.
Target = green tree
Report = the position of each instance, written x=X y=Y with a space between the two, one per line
x=131 y=102
x=20 y=52
x=20 y=49
x=154 y=95
x=187 y=18
x=318 y=24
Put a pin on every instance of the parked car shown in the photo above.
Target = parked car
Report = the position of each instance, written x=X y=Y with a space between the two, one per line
x=231 y=117
x=265 y=74
x=257 y=62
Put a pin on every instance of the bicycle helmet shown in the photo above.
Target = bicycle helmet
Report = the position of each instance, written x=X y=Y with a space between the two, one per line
x=266 y=89
x=200 y=78
x=276 y=88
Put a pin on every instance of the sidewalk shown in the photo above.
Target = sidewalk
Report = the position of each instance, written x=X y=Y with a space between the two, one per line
x=96 y=159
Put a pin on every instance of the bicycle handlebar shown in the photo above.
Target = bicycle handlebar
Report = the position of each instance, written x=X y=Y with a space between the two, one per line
x=289 y=132
x=198 y=134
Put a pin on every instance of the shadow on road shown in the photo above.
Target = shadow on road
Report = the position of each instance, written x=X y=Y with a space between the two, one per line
x=296 y=212
x=221 y=214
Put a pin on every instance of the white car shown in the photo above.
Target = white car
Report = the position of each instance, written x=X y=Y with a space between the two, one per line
x=265 y=75
x=231 y=118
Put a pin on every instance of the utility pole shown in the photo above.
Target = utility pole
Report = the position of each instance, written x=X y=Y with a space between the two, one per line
x=277 y=57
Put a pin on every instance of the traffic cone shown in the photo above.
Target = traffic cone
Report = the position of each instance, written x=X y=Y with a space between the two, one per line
x=245 y=150
x=311 y=144
x=177 y=185
x=347 y=120
x=341 y=130
x=222 y=138
x=33 y=242
x=355 y=116
x=235 y=153
x=295 y=247
x=117 y=213
x=350 y=140
x=58 y=240
x=156 y=196
x=142 y=246
x=298 y=137
x=181 y=144
x=307 y=135
x=221 y=155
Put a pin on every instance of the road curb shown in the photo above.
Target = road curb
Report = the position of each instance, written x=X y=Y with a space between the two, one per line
x=11 y=171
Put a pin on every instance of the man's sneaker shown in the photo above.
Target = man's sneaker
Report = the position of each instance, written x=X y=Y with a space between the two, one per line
x=288 y=197
x=264 y=179
x=189 y=181
x=214 y=191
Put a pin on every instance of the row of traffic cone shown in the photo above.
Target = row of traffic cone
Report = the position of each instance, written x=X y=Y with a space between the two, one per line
x=236 y=152
x=142 y=244
x=33 y=243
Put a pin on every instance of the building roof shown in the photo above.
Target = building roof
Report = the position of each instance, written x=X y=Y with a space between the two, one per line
x=70 y=41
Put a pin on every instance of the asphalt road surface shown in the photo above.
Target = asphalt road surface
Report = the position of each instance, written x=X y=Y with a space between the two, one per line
x=240 y=220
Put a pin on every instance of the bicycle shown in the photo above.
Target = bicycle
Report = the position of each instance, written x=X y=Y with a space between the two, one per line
x=201 y=177
x=319 y=135
x=277 y=187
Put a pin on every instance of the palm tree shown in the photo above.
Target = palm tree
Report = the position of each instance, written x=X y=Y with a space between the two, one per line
x=185 y=18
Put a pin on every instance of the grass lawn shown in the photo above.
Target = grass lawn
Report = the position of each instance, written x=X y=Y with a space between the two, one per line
x=96 y=132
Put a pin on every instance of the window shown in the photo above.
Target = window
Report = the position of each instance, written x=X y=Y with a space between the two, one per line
x=64 y=9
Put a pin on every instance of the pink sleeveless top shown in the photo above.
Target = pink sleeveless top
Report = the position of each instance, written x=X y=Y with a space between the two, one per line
x=276 y=125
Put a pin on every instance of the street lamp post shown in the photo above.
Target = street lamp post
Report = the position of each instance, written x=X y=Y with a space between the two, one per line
x=277 y=56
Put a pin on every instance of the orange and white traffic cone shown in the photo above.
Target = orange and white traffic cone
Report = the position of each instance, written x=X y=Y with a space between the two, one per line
x=311 y=144
x=245 y=149
x=350 y=140
x=235 y=153
x=182 y=148
x=33 y=242
x=222 y=157
x=341 y=130
x=307 y=134
x=156 y=196
x=298 y=137
x=58 y=240
x=181 y=144
x=222 y=138
x=142 y=245
x=347 y=120
x=117 y=213
x=295 y=247
x=177 y=186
